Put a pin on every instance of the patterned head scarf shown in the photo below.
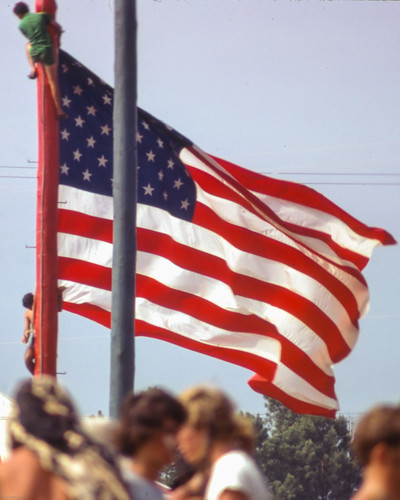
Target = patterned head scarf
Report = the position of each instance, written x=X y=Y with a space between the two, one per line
x=46 y=422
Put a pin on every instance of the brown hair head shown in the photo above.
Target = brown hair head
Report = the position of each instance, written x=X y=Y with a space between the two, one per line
x=210 y=409
x=379 y=425
x=143 y=415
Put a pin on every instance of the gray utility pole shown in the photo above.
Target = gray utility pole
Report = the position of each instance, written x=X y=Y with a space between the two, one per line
x=124 y=193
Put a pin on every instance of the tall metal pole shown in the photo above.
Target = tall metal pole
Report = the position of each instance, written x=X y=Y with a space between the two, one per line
x=124 y=193
x=46 y=301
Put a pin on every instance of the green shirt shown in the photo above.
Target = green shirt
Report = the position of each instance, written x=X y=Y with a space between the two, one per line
x=34 y=27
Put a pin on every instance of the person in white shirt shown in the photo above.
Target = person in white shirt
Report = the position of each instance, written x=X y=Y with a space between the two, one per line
x=219 y=444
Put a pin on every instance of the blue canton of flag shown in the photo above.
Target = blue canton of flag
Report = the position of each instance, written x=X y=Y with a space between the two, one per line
x=86 y=145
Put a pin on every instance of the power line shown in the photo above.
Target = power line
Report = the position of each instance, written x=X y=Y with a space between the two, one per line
x=15 y=167
x=386 y=174
x=354 y=183
x=307 y=183
x=375 y=174
x=17 y=177
x=294 y=172
x=83 y=337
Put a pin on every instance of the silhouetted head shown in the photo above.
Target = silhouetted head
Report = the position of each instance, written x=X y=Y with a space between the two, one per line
x=27 y=300
x=20 y=9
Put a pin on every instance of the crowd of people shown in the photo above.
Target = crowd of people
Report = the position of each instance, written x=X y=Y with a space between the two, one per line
x=54 y=454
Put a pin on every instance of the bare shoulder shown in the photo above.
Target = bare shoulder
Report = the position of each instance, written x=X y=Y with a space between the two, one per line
x=21 y=457
x=22 y=475
x=29 y=315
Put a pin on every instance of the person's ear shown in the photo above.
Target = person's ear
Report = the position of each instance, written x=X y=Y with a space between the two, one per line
x=380 y=454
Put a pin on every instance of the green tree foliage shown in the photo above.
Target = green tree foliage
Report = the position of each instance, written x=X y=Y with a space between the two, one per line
x=304 y=457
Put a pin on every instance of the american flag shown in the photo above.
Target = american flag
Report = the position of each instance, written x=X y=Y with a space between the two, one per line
x=260 y=272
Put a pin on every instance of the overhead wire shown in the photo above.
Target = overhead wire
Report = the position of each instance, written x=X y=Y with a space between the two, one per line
x=293 y=173
x=288 y=172
x=13 y=166
x=17 y=167
x=17 y=177
x=334 y=173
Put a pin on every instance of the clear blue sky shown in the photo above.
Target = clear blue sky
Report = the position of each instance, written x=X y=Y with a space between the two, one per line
x=299 y=87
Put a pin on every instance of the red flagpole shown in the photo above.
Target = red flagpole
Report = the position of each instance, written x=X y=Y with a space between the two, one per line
x=46 y=304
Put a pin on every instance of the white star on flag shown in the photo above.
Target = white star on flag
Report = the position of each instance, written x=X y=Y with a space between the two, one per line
x=185 y=204
x=65 y=134
x=77 y=155
x=178 y=183
x=66 y=102
x=105 y=129
x=79 y=121
x=91 y=110
x=91 y=142
x=64 y=169
x=78 y=90
x=150 y=156
x=102 y=161
x=148 y=190
x=87 y=175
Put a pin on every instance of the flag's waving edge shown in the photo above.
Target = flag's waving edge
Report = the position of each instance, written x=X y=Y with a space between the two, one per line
x=262 y=273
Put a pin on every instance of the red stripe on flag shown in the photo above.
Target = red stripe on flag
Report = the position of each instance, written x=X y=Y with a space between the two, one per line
x=303 y=195
x=240 y=358
x=209 y=265
x=268 y=248
x=84 y=272
x=81 y=224
x=90 y=311
x=213 y=186
x=208 y=312
x=267 y=388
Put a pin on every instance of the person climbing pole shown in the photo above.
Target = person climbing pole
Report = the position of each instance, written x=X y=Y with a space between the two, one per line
x=39 y=49
x=29 y=334
x=28 y=301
